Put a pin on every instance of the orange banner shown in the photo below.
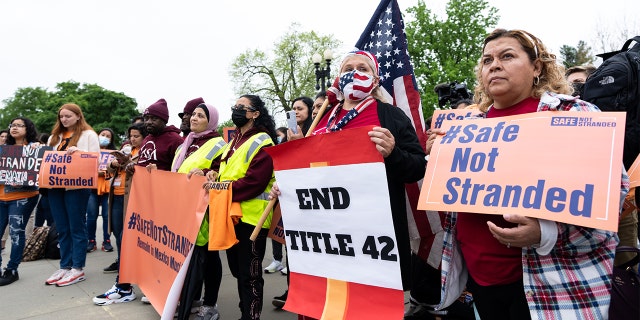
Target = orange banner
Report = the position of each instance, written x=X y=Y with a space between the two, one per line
x=162 y=220
x=560 y=166
x=76 y=171
x=634 y=173
x=439 y=116
x=276 y=232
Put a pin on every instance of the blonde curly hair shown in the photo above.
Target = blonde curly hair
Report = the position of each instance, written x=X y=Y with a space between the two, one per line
x=551 y=76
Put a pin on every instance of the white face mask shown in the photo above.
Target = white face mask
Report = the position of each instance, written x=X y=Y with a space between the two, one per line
x=356 y=85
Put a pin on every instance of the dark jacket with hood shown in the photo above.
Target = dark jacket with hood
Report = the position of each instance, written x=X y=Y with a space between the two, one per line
x=160 y=149
x=405 y=164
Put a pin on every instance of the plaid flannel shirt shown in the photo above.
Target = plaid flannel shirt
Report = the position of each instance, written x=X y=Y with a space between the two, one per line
x=573 y=281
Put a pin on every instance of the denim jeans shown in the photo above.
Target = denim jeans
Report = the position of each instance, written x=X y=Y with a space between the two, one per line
x=93 y=208
x=69 y=208
x=43 y=213
x=117 y=220
x=16 y=213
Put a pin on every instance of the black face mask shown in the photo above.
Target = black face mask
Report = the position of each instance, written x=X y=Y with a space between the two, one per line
x=577 y=88
x=239 y=117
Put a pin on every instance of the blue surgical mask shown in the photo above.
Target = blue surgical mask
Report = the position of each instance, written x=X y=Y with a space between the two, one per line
x=104 y=141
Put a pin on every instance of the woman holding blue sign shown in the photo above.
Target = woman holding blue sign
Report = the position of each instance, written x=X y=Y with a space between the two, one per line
x=71 y=133
x=17 y=201
x=520 y=267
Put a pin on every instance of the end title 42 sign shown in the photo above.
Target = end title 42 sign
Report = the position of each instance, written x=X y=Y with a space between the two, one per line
x=560 y=166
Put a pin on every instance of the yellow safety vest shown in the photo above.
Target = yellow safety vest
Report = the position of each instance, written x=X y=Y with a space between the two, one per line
x=236 y=167
x=203 y=157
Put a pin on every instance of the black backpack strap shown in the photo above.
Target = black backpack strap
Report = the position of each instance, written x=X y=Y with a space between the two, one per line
x=626 y=45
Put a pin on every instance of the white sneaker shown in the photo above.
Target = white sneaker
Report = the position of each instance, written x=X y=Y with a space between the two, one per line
x=144 y=299
x=71 y=277
x=208 y=313
x=275 y=266
x=56 y=276
x=284 y=271
x=114 y=295
x=195 y=306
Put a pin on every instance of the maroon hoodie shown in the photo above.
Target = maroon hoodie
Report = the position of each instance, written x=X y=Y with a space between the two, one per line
x=160 y=149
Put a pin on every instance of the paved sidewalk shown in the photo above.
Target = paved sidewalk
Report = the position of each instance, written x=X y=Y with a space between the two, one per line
x=30 y=298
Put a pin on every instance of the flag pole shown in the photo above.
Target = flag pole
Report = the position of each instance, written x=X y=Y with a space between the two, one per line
x=263 y=218
x=272 y=202
x=318 y=116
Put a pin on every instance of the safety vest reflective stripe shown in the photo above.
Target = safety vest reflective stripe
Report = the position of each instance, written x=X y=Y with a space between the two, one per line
x=236 y=167
x=202 y=157
x=215 y=149
x=261 y=137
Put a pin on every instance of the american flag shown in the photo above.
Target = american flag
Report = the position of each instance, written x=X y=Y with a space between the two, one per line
x=385 y=38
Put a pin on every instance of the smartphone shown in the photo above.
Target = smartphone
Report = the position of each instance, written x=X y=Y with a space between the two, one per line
x=291 y=121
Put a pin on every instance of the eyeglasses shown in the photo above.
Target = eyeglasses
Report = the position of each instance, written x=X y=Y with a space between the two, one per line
x=16 y=125
x=243 y=107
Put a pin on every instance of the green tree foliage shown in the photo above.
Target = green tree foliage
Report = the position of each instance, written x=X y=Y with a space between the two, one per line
x=32 y=103
x=576 y=56
x=226 y=124
x=284 y=74
x=447 y=50
x=102 y=108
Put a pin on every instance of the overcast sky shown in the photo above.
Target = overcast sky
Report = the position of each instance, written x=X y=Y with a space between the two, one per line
x=179 y=50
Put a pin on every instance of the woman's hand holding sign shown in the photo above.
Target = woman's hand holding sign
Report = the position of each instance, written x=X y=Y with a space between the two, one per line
x=384 y=140
x=526 y=234
x=432 y=133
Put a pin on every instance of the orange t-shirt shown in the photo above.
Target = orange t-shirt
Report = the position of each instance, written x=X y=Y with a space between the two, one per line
x=65 y=135
x=121 y=176
x=16 y=195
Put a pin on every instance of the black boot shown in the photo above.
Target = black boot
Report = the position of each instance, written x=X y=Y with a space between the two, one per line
x=8 y=277
x=279 y=302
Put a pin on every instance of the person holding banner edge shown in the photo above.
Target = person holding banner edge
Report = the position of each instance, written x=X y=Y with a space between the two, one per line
x=120 y=184
x=201 y=146
x=250 y=168
x=17 y=202
x=356 y=101
x=520 y=267
x=71 y=133
x=156 y=152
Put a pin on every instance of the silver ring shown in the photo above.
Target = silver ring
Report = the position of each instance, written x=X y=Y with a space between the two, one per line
x=508 y=244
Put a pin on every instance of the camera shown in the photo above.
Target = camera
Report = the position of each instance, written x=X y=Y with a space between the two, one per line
x=451 y=93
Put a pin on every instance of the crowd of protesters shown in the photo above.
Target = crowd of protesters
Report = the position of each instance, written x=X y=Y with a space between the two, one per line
x=515 y=267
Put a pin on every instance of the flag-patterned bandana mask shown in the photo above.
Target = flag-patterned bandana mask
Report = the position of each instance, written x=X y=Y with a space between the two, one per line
x=356 y=85
x=331 y=126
